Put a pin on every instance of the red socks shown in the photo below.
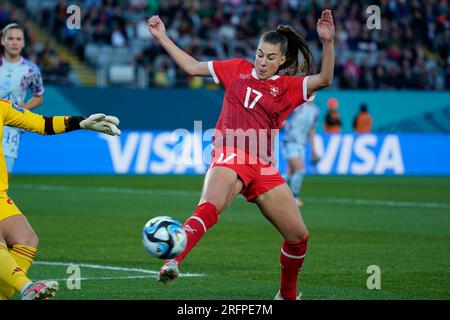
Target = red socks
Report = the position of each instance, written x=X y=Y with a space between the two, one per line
x=291 y=259
x=204 y=217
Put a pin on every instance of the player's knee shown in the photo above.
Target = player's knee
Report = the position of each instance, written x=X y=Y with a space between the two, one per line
x=298 y=236
x=304 y=237
x=33 y=241
x=29 y=240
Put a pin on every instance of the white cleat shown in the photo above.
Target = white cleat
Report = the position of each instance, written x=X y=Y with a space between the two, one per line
x=279 y=297
x=168 y=272
x=40 y=290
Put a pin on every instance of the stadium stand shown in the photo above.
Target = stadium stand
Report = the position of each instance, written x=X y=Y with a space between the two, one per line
x=411 y=51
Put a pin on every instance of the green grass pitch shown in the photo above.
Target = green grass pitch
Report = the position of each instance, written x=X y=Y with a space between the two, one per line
x=400 y=224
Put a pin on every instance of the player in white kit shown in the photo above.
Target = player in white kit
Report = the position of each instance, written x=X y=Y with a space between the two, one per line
x=299 y=129
x=17 y=77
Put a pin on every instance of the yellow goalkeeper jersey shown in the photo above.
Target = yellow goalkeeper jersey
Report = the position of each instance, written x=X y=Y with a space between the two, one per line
x=14 y=116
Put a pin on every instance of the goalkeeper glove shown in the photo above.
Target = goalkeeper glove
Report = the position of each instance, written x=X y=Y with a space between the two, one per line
x=102 y=123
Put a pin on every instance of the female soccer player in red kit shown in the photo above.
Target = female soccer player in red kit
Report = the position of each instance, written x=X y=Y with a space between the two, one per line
x=258 y=97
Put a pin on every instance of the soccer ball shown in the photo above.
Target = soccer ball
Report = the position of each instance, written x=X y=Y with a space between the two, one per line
x=164 y=237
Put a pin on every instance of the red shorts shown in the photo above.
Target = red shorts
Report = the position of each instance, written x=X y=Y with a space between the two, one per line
x=257 y=176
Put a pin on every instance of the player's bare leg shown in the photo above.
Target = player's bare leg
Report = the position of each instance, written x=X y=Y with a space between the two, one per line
x=297 y=169
x=279 y=207
x=289 y=172
x=23 y=243
x=220 y=187
x=17 y=230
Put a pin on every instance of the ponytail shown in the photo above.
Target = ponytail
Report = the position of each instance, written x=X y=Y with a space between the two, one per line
x=290 y=44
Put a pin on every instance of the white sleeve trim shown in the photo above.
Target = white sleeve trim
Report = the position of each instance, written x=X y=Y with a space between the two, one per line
x=305 y=91
x=213 y=73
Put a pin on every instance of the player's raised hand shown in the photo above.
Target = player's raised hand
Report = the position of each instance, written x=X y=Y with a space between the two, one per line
x=102 y=123
x=156 y=27
x=325 y=26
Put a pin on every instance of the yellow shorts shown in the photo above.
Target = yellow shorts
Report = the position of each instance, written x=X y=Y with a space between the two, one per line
x=7 y=207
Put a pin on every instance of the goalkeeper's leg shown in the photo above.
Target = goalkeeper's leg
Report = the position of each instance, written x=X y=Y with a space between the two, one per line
x=12 y=276
x=23 y=243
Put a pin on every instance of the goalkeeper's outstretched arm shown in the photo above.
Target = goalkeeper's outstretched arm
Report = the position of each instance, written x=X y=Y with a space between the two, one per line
x=14 y=116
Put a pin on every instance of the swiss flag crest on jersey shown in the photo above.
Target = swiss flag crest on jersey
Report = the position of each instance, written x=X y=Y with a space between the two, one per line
x=274 y=91
x=254 y=107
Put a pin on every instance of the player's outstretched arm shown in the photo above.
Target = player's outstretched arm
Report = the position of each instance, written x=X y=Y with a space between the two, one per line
x=189 y=65
x=325 y=29
x=15 y=116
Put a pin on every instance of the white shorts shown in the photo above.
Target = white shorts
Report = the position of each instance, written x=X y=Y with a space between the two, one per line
x=10 y=163
x=293 y=150
x=11 y=141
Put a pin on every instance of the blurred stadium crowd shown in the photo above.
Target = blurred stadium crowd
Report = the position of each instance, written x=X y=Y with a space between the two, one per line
x=411 y=51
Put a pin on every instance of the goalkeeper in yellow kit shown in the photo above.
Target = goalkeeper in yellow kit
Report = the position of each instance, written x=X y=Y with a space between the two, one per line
x=18 y=242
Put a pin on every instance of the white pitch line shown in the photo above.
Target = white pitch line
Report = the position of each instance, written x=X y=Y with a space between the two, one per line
x=64 y=188
x=112 y=268
x=103 y=278
x=163 y=192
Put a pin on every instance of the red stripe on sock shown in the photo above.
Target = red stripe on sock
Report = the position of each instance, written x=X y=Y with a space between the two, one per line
x=24 y=249
x=23 y=253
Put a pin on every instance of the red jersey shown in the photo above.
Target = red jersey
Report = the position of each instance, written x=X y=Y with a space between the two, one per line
x=253 y=110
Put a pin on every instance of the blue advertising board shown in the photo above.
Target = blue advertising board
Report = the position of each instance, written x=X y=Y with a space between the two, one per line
x=188 y=152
